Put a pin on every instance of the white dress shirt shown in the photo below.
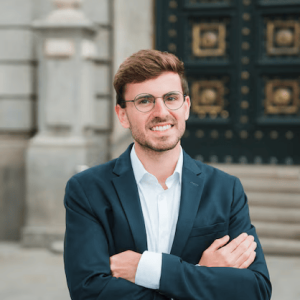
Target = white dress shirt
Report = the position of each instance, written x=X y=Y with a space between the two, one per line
x=160 y=211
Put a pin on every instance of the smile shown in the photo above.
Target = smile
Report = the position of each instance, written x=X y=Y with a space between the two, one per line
x=161 y=128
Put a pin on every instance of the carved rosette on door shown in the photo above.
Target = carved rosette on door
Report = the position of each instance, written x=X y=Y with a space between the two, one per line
x=282 y=97
x=283 y=37
x=208 y=99
x=209 y=39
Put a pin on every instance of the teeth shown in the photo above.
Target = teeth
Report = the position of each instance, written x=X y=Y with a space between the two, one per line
x=161 y=128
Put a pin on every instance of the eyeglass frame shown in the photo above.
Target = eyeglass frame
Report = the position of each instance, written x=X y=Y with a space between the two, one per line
x=134 y=100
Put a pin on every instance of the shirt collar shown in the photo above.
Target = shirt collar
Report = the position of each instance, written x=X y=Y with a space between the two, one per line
x=139 y=170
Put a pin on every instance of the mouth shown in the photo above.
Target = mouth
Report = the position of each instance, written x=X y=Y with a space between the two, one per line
x=161 y=128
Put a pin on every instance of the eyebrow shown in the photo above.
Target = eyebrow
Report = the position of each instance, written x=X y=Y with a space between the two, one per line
x=148 y=94
x=144 y=95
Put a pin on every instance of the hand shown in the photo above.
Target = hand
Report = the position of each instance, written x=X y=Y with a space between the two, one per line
x=239 y=253
x=125 y=264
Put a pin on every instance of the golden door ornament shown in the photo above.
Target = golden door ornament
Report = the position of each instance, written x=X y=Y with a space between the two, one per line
x=200 y=134
x=172 y=33
x=208 y=97
x=244 y=134
x=244 y=104
x=172 y=47
x=289 y=135
x=207 y=1
x=246 y=17
x=283 y=37
x=173 y=4
x=224 y=114
x=247 y=2
x=245 y=90
x=245 y=75
x=282 y=97
x=246 y=31
x=245 y=46
x=228 y=134
x=274 y=135
x=214 y=134
x=209 y=39
x=172 y=19
x=258 y=135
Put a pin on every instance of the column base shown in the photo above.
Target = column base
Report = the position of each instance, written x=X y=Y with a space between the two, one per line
x=41 y=236
x=51 y=161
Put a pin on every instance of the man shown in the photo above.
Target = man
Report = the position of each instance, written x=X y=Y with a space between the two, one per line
x=154 y=223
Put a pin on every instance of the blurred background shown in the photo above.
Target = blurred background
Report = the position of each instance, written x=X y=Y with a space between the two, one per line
x=57 y=61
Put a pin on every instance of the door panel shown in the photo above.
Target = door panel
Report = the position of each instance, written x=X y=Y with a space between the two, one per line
x=242 y=61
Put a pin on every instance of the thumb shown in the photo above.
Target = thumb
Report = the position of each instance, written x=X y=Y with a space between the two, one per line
x=219 y=243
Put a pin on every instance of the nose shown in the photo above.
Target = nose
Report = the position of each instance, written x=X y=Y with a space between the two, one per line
x=160 y=108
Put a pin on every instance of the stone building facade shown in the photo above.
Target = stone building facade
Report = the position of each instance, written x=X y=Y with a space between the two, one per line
x=38 y=132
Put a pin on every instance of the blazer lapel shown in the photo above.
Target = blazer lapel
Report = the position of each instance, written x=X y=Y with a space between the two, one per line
x=192 y=187
x=127 y=190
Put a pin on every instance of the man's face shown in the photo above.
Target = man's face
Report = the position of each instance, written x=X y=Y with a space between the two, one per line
x=146 y=128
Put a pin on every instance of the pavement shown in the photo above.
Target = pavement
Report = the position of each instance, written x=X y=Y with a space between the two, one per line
x=38 y=274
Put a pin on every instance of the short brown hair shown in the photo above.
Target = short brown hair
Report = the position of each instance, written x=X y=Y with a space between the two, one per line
x=144 y=65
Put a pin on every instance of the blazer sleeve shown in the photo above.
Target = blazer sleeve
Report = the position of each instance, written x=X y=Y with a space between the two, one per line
x=86 y=254
x=181 y=280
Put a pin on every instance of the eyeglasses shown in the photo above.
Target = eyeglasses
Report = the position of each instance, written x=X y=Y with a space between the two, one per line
x=146 y=102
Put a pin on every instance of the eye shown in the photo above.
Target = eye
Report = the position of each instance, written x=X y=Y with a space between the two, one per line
x=144 y=100
x=172 y=97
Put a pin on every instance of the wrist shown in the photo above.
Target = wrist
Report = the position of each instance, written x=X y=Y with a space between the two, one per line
x=149 y=270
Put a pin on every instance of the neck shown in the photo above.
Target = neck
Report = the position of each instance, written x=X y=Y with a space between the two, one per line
x=160 y=164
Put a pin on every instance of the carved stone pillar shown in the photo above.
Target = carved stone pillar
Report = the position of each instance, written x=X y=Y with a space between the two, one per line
x=66 y=137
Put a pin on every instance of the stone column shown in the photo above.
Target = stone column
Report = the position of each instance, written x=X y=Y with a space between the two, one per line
x=66 y=138
x=128 y=39
x=17 y=111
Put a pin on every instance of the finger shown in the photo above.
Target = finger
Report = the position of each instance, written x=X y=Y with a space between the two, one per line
x=236 y=242
x=244 y=256
x=219 y=243
x=243 y=247
x=249 y=261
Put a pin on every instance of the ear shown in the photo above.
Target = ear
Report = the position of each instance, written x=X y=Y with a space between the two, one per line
x=188 y=106
x=122 y=115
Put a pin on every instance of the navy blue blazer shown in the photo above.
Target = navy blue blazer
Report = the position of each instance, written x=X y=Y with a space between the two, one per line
x=104 y=217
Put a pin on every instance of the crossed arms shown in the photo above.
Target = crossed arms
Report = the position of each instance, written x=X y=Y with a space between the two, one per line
x=239 y=253
x=94 y=271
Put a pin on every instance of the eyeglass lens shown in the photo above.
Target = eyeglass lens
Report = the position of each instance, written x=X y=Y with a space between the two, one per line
x=172 y=100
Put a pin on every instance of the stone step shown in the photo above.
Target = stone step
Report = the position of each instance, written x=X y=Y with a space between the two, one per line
x=291 y=186
x=277 y=230
x=262 y=171
x=274 y=199
x=280 y=246
x=275 y=214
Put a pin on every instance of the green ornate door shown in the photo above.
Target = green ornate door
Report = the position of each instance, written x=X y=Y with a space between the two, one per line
x=242 y=60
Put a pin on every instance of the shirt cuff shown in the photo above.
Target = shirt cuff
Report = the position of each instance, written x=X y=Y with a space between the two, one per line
x=149 y=270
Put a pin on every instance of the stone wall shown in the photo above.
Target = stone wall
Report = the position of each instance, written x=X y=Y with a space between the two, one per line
x=18 y=96
x=123 y=27
x=17 y=109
